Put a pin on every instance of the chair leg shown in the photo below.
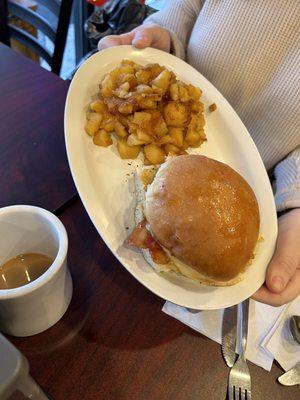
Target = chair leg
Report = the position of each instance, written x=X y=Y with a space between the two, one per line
x=4 y=29
x=61 y=35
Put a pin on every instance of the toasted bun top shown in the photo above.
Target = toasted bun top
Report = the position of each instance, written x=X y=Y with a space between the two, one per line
x=205 y=214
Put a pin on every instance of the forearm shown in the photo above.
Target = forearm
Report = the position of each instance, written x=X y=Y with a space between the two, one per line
x=178 y=17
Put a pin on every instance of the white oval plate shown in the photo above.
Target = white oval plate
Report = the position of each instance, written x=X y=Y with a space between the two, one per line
x=105 y=182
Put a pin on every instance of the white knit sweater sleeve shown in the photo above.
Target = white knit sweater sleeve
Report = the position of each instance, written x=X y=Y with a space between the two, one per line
x=287 y=174
x=178 y=17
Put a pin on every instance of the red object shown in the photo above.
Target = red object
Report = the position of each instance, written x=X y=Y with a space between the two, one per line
x=142 y=238
x=99 y=3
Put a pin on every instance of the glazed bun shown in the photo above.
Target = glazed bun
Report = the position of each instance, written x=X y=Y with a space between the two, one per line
x=206 y=215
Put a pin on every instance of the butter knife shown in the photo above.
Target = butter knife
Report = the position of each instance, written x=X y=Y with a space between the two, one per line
x=229 y=334
x=291 y=377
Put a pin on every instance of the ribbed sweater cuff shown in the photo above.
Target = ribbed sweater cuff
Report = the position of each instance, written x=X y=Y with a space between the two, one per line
x=177 y=48
x=287 y=174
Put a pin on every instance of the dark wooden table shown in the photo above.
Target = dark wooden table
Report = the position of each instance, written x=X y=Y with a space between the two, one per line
x=33 y=163
x=114 y=343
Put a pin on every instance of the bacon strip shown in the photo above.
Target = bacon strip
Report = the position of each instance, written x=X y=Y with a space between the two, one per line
x=142 y=238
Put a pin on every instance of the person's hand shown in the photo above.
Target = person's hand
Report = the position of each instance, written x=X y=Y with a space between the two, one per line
x=283 y=275
x=140 y=37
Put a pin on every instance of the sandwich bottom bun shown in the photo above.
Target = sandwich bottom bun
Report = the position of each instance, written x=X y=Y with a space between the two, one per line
x=204 y=215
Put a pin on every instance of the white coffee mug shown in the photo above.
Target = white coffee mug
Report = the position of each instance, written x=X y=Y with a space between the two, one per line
x=36 y=306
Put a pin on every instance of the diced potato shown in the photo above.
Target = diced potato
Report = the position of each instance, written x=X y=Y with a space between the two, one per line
x=176 y=114
x=127 y=151
x=108 y=122
x=95 y=117
x=174 y=91
x=120 y=129
x=161 y=105
x=158 y=126
x=125 y=120
x=201 y=107
x=185 y=145
x=98 y=106
x=154 y=154
x=130 y=79
x=102 y=138
x=142 y=88
x=146 y=74
x=183 y=93
x=197 y=122
x=195 y=133
x=91 y=128
x=125 y=61
x=170 y=149
x=165 y=139
x=125 y=86
x=132 y=128
x=107 y=86
x=133 y=140
x=176 y=135
x=179 y=91
x=140 y=118
x=194 y=139
x=146 y=161
x=147 y=175
x=194 y=92
x=202 y=134
x=212 y=107
x=197 y=107
x=118 y=73
x=146 y=104
x=127 y=69
x=200 y=121
x=143 y=136
x=157 y=90
x=125 y=108
x=123 y=91
x=93 y=123
x=162 y=80
x=143 y=76
x=155 y=69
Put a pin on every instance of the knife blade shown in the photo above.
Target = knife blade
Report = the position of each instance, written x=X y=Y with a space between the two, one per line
x=229 y=334
x=291 y=377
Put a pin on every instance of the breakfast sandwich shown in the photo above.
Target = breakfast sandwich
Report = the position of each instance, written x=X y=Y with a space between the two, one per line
x=197 y=217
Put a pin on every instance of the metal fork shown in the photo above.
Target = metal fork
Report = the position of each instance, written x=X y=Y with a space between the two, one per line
x=239 y=381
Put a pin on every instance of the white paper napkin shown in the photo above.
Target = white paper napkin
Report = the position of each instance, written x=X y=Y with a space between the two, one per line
x=266 y=330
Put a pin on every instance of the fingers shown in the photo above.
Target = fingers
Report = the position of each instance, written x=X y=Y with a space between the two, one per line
x=141 y=39
x=283 y=275
x=115 y=40
x=108 y=41
x=292 y=290
x=152 y=35
x=286 y=259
